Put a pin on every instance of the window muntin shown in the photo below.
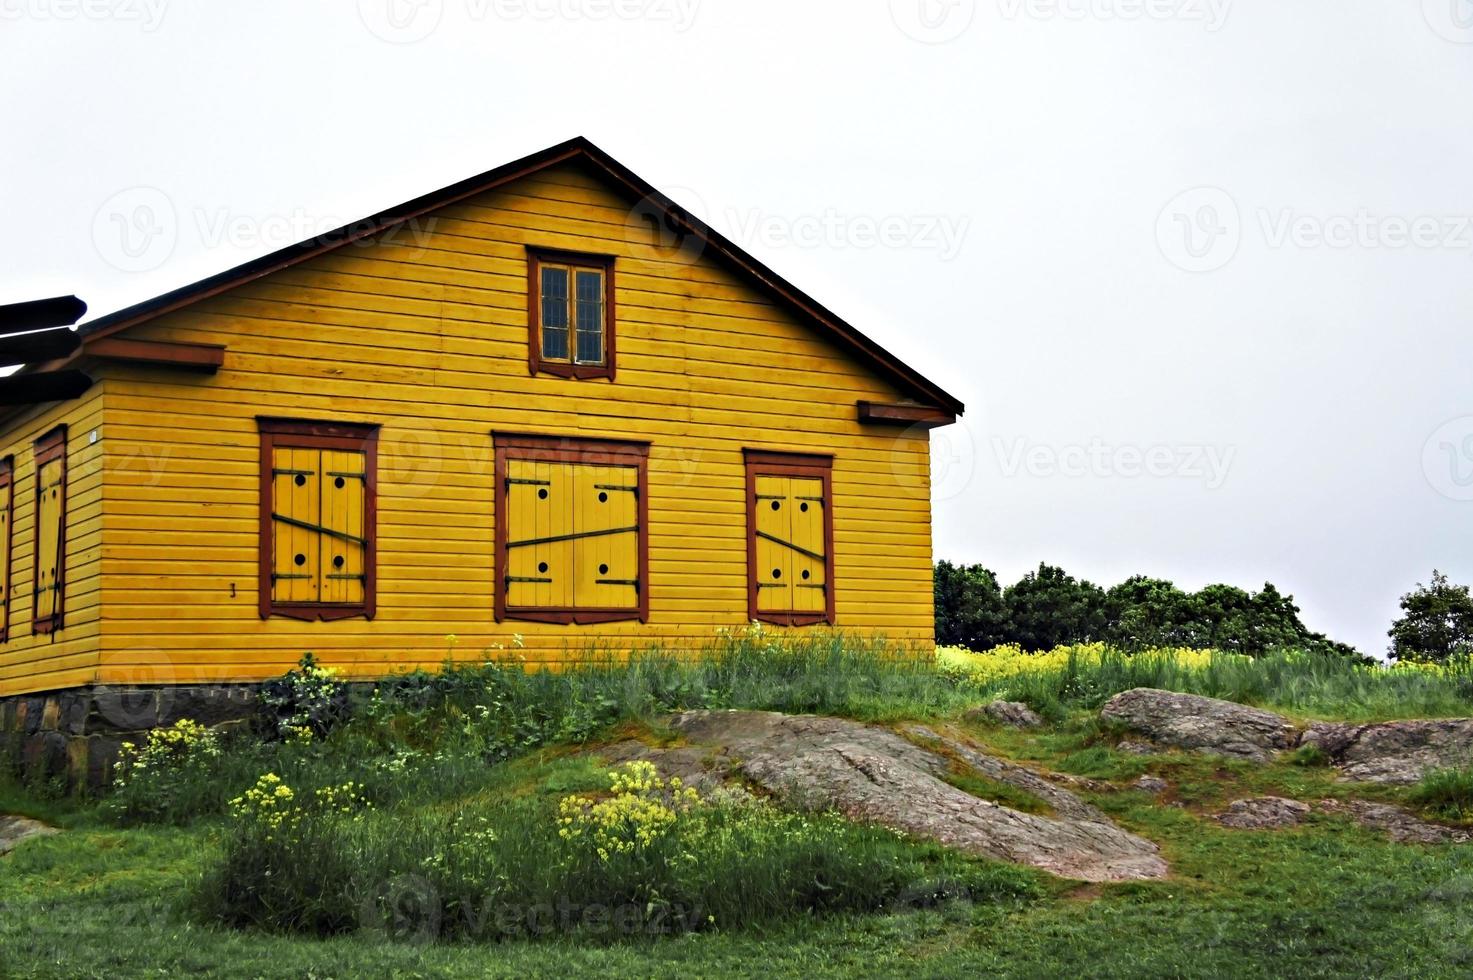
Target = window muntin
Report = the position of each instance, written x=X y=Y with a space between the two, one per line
x=570 y=304
x=790 y=538
x=49 y=580
x=318 y=514
x=571 y=530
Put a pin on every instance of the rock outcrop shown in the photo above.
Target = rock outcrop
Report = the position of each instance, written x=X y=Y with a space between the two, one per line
x=1014 y=714
x=1394 y=751
x=1397 y=752
x=1190 y=721
x=1401 y=826
x=1151 y=784
x=13 y=830
x=875 y=774
x=1263 y=813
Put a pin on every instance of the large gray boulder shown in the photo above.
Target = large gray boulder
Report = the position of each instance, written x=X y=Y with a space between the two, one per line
x=1189 y=721
x=874 y=774
x=1397 y=752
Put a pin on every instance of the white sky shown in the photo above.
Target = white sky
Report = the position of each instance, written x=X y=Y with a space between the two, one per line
x=1035 y=167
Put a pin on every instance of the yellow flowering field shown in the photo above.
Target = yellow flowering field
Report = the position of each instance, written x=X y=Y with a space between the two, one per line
x=1003 y=662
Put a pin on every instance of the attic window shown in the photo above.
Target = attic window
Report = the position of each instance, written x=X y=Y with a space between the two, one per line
x=570 y=313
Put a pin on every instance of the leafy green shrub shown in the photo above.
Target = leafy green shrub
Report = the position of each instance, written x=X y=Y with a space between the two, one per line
x=166 y=777
x=305 y=702
x=1446 y=793
x=645 y=857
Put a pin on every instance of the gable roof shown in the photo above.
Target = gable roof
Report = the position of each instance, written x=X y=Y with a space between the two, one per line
x=579 y=151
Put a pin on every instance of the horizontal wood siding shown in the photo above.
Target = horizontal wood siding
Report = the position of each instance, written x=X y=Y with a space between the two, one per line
x=69 y=657
x=428 y=338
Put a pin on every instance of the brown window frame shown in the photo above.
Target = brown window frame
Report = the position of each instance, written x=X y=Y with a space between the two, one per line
x=292 y=433
x=766 y=462
x=50 y=446
x=536 y=258
x=7 y=500
x=574 y=450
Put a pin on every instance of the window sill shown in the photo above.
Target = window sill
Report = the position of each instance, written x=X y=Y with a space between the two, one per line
x=793 y=619
x=51 y=624
x=573 y=617
x=581 y=372
x=315 y=612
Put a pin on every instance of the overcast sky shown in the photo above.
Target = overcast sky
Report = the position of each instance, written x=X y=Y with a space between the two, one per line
x=1200 y=269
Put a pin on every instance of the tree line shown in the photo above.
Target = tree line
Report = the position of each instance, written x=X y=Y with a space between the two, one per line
x=1049 y=608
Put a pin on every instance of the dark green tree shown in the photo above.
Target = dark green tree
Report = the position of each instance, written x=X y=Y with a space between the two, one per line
x=969 y=607
x=1228 y=618
x=1049 y=607
x=1147 y=612
x=1436 y=622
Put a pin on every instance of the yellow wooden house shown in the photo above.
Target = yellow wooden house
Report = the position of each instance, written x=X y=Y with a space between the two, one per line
x=543 y=408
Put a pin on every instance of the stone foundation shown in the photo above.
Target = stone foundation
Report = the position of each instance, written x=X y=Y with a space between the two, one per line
x=75 y=735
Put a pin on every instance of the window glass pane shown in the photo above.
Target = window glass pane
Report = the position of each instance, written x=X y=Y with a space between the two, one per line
x=590 y=314
x=554 y=313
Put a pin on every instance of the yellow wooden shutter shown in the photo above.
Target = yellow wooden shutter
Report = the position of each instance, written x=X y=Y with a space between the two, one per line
x=809 y=549
x=48 y=537
x=296 y=501
x=539 y=550
x=343 y=544
x=606 y=546
x=774 y=559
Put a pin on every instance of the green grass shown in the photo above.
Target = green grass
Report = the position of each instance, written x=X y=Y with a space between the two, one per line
x=1298 y=683
x=1326 y=900
x=1446 y=794
x=115 y=899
